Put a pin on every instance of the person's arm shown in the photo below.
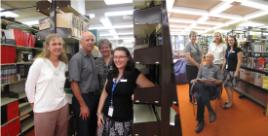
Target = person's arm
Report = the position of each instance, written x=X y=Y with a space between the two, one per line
x=84 y=110
x=187 y=54
x=74 y=75
x=32 y=79
x=189 y=58
x=239 y=62
x=224 y=62
x=143 y=82
x=103 y=97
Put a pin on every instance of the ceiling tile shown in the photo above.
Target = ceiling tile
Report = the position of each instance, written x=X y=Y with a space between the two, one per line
x=240 y=10
x=197 y=4
x=217 y=19
x=184 y=16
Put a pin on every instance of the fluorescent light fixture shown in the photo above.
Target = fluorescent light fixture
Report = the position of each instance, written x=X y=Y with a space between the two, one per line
x=201 y=27
x=119 y=13
x=190 y=11
x=106 y=22
x=227 y=16
x=255 y=15
x=109 y=34
x=193 y=25
x=8 y=14
x=114 y=2
x=255 y=4
x=180 y=20
x=178 y=26
x=91 y=15
x=123 y=26
x=210 y=23
x=116 y=37
x=170 y=4
x=250 y=23
x=113 y=32
x=202 y=19
x=30 y=23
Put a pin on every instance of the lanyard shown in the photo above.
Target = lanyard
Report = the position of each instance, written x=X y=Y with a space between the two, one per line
x=115 y=82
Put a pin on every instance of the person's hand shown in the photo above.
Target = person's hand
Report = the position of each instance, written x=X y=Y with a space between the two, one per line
x=198 y=66
x=84 y=112
x=236 y=74
x=194 y=81
x=100 y=120
x=132 y=97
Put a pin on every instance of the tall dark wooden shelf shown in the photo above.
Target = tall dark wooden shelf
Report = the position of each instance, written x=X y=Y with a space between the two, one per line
x=162 y=119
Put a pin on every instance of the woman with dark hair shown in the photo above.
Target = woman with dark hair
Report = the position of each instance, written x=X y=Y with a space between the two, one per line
x=231 y=65
x=115 y=110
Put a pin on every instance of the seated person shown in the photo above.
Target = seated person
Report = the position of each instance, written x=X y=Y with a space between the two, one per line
x=206 y=87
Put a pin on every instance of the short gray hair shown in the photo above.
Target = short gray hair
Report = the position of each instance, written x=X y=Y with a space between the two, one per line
x=104 y=41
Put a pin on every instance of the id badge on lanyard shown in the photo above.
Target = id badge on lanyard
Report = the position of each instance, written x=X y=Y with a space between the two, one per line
x=111 y=108
x=228 y=57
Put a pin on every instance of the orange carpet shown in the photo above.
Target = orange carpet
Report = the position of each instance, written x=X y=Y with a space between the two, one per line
x=245 y=118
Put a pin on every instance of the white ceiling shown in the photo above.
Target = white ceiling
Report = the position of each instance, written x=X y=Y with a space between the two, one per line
x=206 y=16
x=202 y=16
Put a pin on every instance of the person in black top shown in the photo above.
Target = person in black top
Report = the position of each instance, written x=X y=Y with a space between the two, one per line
x=115 y=110
x=232 y=63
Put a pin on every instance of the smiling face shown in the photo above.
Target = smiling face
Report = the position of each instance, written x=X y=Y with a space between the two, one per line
x=105 y=50
x=231 y=41
x=193 y=38
x=120 y=59
x=217 y=37
x=87 y=42
x=55 y=47
x=209 y=59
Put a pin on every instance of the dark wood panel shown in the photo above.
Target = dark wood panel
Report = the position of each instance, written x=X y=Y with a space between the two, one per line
x=149 y=55
x=148 y=95
x=146 y=129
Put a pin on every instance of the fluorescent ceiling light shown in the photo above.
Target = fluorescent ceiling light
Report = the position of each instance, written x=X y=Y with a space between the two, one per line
x=190 y=11
x=113 y=32
x=119 y=13
x=108 y=28
x=210 y=23
x=114 y=2
x=109 y=34
x=30 y=23
x=179 y=20
x=202 y=19
x=106 y=22
x=255 y=4
x=8 y=14
x=193 y=25
x=170 y=4
x=91 y=15
x=255 y=15
x=227 y=16
x=249 y=23
x=123 y=26
x=116 y=37
x=178 y=26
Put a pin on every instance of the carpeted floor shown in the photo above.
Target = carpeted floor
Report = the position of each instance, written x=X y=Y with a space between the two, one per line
x=245 y=118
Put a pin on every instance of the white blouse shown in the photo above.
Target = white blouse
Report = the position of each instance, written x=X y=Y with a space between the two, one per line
x=45 y=85
x=218 y=52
